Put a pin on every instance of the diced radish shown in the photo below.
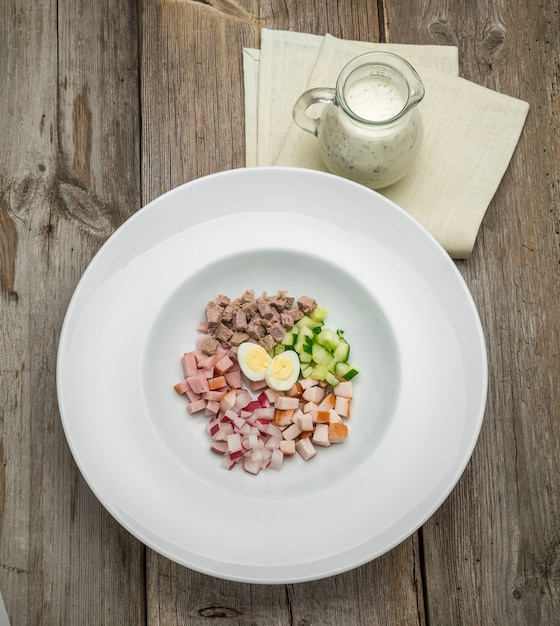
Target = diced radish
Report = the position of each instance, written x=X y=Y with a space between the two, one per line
x=228 y=400
x=273 y=442
x=242 y=399
x=251 y=406
x=227 y=463
x=266 y=414
x=220 y=447
x=251 y=466
x=273 y=430
x=276 y=459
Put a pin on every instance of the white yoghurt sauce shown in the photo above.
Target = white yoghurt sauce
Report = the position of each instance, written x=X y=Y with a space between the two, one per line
x=374 y=155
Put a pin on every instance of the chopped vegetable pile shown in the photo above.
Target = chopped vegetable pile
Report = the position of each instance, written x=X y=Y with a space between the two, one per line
x=271 y=378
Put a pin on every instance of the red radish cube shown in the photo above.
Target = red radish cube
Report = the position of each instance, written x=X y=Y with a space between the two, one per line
x=234 y=442
x=220 y=447
x=276 y=459
x=251 y=466
x=227 y=463
x=228 y=400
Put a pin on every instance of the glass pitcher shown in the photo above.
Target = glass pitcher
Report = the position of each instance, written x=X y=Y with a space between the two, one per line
x=370 y=129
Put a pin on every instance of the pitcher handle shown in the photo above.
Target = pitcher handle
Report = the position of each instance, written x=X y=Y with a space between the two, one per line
x=318 y=95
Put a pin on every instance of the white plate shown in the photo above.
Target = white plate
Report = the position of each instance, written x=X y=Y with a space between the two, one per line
x=408 y=316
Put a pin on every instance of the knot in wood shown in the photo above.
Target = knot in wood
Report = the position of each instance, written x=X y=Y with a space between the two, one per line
x=214 y=612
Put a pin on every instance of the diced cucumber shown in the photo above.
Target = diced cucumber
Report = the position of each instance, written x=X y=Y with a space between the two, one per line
x=306 y=370
x=303 y=332
x=331 y=379
x=278 y=349
x=328 y=338
x=304 y=357
x=319 y=314
x=289 y=339
x=319 y=372
x=306 y=321
x=346 y=370
x=342 y=351
x=321 y=355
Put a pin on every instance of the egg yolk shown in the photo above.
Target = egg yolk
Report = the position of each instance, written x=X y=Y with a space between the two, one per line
x=281 y=368
x=257 y=359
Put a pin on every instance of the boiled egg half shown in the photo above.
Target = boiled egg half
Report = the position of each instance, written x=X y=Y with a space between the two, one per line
x=280 y=372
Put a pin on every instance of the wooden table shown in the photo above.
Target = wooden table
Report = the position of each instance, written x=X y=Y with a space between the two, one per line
x=106 y=105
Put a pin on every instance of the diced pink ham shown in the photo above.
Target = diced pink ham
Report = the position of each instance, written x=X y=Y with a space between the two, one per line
x=190 y=367
x=223 y=365
x=197 y=405
x=233 y=378
x=181 y=387
x=198 y=383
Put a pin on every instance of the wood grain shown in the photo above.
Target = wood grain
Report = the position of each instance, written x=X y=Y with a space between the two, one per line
x=107 y=105
x=69 y=174
x=500 y=564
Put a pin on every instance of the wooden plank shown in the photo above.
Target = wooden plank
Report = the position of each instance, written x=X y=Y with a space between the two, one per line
x=192 y=115
x=492 y=550
x=69 y=174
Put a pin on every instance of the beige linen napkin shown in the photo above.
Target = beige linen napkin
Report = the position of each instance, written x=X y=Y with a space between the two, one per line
x=470 y=132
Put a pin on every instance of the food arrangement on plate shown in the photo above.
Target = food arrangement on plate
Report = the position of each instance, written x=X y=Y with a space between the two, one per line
x=272 y=379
